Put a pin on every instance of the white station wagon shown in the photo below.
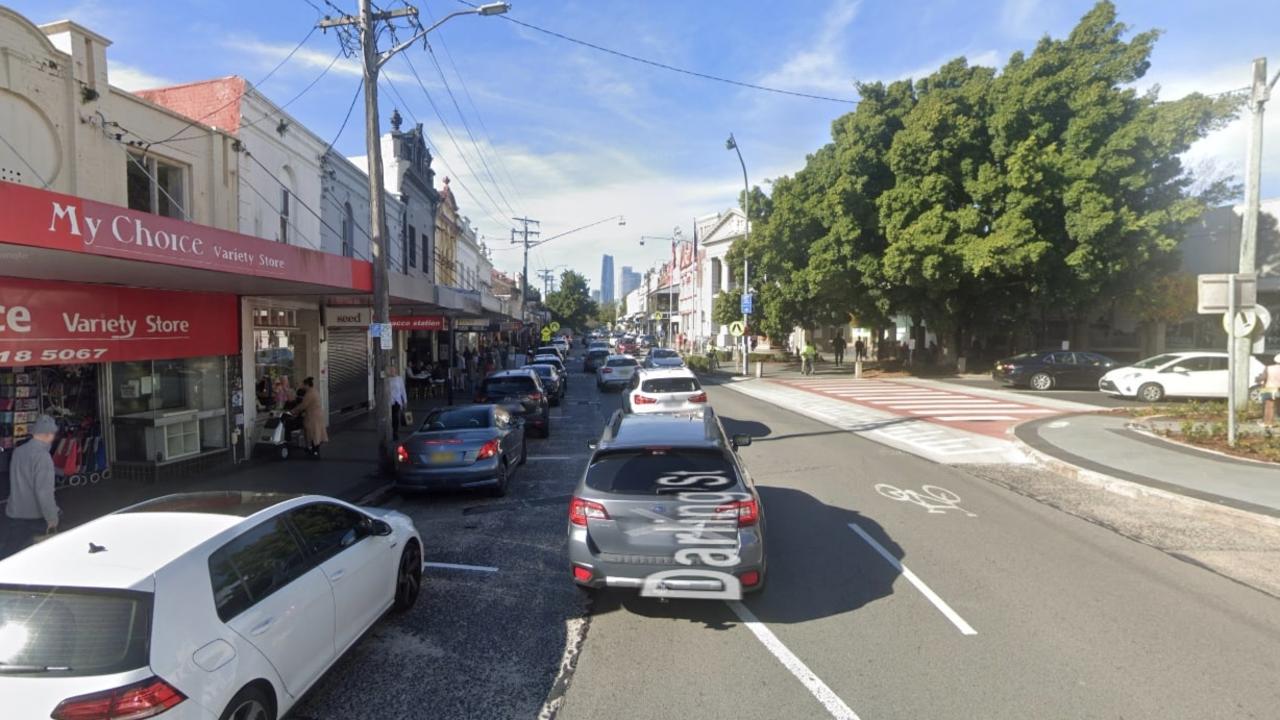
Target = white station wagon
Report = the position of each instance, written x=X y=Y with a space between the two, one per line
x=217 y=606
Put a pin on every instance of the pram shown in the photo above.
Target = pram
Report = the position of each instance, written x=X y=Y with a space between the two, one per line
x=283 y=430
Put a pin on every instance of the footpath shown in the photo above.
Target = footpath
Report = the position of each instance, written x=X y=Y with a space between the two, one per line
x=954 y=423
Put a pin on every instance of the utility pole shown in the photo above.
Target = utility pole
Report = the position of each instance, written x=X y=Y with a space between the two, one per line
x=366 y=23
x=546 y=276
x=1260 y=93
x=524 y=285
x=732 y=144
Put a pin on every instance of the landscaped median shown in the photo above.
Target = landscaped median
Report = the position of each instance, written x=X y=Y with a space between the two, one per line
x=1204 y=425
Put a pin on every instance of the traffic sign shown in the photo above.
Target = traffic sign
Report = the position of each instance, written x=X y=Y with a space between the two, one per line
x=546 y=334
x=555 y=326
x=748 y=301
x=1213 y=295
x=736 y=328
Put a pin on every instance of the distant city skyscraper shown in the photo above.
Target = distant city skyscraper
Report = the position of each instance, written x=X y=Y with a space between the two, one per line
x=630 y=281
x=606 y=279
x=595 y=295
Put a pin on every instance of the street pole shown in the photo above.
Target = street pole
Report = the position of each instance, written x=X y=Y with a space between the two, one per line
x=1260 y=93
x=732 y=144
x=1233 y=359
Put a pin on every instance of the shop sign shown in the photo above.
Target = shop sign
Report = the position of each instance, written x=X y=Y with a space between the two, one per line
x=44 y=322
x=511 y=326
x=471 y=324
x=339 y=316
x=418 y=322
x=44 y=219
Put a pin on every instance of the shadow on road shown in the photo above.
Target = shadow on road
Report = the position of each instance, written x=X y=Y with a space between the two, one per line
x=817 y=567
x=755 y=429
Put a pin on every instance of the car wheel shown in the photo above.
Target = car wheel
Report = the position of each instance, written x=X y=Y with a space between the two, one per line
x=1151 y=392
x=546 y=427
x=408 y=578
x=1041 y=381
x=524 y=451
x=251 y=703
x=503 y=474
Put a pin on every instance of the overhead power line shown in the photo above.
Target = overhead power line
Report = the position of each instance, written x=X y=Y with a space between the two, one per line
x=665 y=66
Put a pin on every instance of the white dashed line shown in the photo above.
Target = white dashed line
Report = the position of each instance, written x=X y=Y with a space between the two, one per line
x=453 y=566
x=930 y=595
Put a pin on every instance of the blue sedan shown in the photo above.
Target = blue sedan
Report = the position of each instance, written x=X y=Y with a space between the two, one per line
x=475 y=446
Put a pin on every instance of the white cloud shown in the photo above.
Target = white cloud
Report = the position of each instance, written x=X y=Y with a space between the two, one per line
x=131 y=78
x=988 y=58
x=820 y=66
x=1020 y=18
x=267 y=55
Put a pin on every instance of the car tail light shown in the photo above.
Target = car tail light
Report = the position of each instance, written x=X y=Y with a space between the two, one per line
x=144 y=699
x=581 y=574
x=644 y=400
x=402 y=455
x=700 y=397
x=488 y=450
x=580 y=510
x=607 y=370
x=748 y=511
x=535 y=396
x=750 y=578
x=482 y=399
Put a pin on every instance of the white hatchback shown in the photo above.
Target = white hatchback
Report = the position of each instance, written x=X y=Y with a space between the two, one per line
x=201 y=605
x=615 y=371
x=664 y=390
x=1178 y=374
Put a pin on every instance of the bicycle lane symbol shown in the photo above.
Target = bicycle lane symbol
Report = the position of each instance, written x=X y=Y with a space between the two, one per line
x=937 y=500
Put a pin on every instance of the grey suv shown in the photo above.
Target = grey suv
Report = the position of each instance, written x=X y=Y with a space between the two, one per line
x=666 y=507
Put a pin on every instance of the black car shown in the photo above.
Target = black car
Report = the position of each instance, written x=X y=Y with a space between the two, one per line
x=462 y=447
x=1050 y=369
x=552 y=379
x=521 y=393
x=550 y=350
x=594 y=359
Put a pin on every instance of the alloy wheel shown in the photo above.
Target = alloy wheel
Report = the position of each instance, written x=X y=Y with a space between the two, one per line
x=250 y=710
x=409 y=578
x=1041 y=381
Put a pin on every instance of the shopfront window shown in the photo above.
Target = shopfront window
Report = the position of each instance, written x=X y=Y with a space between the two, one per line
x=166 y=410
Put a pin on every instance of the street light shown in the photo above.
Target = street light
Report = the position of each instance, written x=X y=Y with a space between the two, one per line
x=732 y=144
x=495 y=8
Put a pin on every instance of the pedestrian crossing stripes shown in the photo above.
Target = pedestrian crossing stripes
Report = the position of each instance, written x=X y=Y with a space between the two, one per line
x=987 y=415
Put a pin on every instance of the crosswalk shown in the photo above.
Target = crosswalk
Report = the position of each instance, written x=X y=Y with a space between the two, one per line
x=987 y=415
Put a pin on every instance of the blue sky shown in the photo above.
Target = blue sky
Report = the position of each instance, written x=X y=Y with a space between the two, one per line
x=571 y=135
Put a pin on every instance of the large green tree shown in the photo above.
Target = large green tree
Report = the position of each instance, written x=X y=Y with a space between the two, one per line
x=571 y=304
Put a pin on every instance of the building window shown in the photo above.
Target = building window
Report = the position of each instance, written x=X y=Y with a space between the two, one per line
x=284 y=216
x=716 y=275
x=348 y=231
x=155 y=186
x=426 y=252
x=412 y=243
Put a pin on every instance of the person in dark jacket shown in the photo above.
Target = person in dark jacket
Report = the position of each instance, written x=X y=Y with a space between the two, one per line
x=31 y=509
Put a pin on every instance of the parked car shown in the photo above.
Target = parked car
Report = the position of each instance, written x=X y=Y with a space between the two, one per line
x=198 y=605
x=615 y=372
x=663 y=357
x=550 y=350
x=647 y=473
x=1197 y=374
x=664 y=390
x=1049 y=369
x=626 y=346
x=555 y=381
x=552 y=360
x=462 y=447
x=594 y=358
x=519 y=392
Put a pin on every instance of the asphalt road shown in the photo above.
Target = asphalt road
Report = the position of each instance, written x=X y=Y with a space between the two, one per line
x=1088 y=397
x=1069 y=619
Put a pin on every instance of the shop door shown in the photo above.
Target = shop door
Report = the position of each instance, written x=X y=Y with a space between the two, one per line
x=348 y=370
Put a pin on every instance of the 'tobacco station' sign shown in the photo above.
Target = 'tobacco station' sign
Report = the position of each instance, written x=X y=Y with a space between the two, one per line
x=51 y=323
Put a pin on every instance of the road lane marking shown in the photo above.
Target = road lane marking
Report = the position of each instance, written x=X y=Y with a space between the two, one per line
x=795 y=665
x=964 y=627
x=554 y=457
x=454 y=566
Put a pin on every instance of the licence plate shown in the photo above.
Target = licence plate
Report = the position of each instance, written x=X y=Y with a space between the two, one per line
x=443 y=457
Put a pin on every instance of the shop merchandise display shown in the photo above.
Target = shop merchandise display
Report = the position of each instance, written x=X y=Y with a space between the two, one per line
x=67 y=393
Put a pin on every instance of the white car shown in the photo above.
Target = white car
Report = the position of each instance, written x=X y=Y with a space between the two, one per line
x=664 y=390
x=615 y=371
x=1177 y=374
x=200 y=605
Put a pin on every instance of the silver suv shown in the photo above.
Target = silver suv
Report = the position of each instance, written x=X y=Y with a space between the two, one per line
x=666 y=507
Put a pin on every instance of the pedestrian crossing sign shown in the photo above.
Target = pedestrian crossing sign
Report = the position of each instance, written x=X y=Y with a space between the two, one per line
x=555 y=326
x=546 y=334
x=737 y=328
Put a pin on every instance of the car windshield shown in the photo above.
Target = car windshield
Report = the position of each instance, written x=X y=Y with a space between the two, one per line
x=622 y=362
x=658 y=471
x=664 y=353
x=69 y=631
x=457 y=419
x=670 y=385
x=1155 y=362
x=509 y=386
x=544 y=369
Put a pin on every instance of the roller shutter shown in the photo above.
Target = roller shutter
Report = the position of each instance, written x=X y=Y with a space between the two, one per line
x=348 y=370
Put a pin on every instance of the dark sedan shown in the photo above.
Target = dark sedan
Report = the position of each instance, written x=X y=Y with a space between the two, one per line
x=519 y=392
x=553 y=380
x=1049 y=369
x=594 y=359
x=476 y=446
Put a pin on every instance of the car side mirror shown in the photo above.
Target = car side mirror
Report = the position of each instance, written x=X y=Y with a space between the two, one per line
x=381 y=528
x=592 y=444
x=741 y=440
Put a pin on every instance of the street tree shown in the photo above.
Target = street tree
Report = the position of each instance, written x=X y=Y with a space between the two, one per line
x=571 y=304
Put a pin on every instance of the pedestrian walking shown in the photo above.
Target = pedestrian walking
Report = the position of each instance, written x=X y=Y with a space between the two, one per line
x=838 y=346
x=31 y=509
x=314 y=422
x=859 y=350
x=1270 y=381
x=807 y=356
x=504 y=353
x=399 y=400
